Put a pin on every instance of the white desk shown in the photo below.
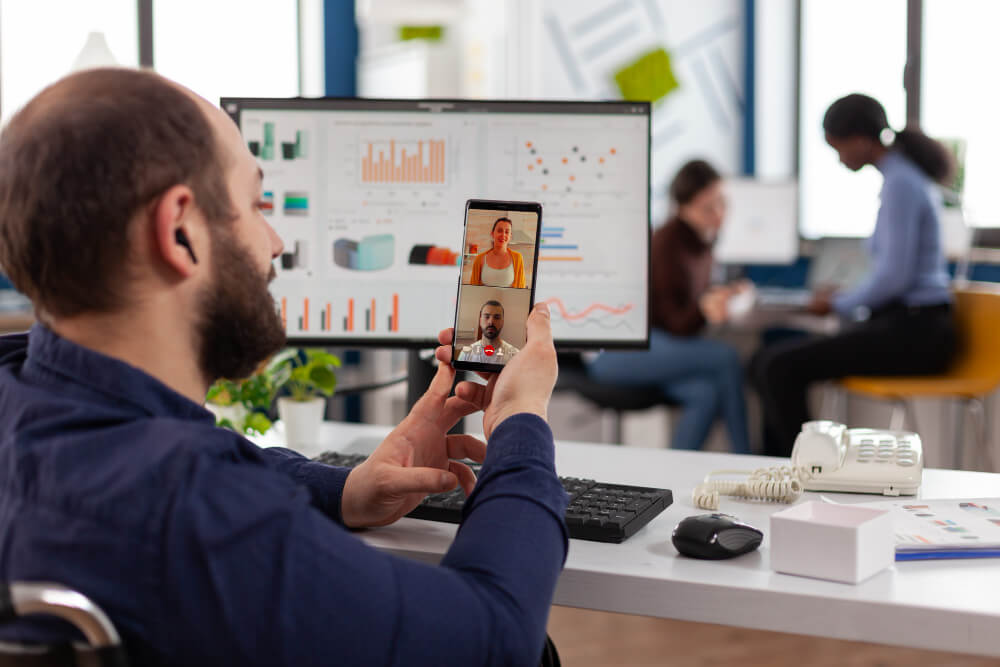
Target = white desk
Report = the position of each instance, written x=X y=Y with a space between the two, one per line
x=948 y=605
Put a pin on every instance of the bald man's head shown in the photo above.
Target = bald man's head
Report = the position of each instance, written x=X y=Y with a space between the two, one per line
x=80 y=162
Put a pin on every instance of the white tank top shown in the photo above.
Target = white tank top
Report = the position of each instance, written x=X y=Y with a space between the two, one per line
x=498 y=277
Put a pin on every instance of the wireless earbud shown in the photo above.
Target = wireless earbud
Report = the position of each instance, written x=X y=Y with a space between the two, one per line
x=181 y=238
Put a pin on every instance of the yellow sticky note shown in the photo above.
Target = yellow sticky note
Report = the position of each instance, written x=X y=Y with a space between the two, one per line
x=647 y=79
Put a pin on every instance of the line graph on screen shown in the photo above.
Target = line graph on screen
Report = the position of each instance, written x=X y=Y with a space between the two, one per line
x=599 y=315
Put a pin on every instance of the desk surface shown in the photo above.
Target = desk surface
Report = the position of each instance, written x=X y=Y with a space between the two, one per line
x=15 y=321
x=950 y=605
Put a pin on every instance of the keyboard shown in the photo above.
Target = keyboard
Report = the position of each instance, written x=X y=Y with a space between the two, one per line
x=787 y=297
x=598 y=511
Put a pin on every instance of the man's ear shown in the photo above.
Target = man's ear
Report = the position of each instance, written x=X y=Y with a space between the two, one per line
x=176 y=230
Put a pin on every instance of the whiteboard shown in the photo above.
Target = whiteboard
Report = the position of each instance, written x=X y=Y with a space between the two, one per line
x=761 y=225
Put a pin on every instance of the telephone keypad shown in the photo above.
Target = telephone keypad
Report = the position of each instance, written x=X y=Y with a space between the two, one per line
x=885 y=450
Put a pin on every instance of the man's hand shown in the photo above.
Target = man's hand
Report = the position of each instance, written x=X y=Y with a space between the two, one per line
x=526 y=383
x=414 y=460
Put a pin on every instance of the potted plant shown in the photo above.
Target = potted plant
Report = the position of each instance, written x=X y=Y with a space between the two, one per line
x=308 y=377
x=242 y=406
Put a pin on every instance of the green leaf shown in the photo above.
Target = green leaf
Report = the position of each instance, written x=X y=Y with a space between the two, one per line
x=284 y=358
x=301 y=374
x=257 y=423
x=256 y=392
x=223 y=392
x=226 y=423
x=316 y=356
x=324 y=379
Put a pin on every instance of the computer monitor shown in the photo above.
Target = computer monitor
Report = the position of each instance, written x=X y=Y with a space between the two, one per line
x=369 y=196
x=761 y=225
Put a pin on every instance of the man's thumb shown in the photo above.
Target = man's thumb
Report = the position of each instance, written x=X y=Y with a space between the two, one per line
x=540 y=323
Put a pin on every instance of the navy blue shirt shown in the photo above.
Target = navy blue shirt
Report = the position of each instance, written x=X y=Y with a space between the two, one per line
x=205 y=549
x=908 y=264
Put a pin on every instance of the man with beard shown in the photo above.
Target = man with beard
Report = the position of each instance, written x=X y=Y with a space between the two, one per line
x=489 y=349
x=130 y=214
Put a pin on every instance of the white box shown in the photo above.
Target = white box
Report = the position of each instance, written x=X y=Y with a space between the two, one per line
x=828 y=541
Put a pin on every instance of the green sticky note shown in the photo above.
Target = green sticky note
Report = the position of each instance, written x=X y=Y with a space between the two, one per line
x=430 y=33
x=648 y=79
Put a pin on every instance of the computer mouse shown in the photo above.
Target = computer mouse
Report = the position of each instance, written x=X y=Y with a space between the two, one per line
x=715 y=536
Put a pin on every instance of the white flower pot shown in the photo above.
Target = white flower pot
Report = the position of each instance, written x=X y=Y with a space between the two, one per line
x=234 y=413
x=302 y=420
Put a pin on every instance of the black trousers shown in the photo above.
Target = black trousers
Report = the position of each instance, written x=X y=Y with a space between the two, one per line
x=896 y=340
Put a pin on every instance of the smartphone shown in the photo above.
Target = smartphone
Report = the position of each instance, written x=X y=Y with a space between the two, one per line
x=496 y=288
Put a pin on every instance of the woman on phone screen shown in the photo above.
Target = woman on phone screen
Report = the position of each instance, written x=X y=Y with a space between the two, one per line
x=499 y=266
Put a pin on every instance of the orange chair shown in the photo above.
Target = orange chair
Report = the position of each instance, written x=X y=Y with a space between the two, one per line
x=974 y=375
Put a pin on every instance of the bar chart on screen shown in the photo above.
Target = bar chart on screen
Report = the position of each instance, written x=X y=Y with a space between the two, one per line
x=554 y=247
x=393 y=161
x=347 y=315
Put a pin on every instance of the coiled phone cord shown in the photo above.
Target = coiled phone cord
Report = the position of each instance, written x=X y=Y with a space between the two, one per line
x=781 y=484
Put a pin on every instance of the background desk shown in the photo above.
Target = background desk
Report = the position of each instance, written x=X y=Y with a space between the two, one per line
x=951 y=605
x=13 y=322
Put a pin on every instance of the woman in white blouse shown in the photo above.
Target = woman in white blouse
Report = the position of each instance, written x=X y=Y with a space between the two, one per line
x=499 y=266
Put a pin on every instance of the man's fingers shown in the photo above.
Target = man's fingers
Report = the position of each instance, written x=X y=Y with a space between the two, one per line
x=475 y=393
x=466 y=478
x=464 y=446
x=440 y=386
x=446 y=336
x=443 y=354
x=425 y=481
x=454 y=409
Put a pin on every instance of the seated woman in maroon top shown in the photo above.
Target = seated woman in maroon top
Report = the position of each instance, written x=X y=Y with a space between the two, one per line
x=705 y=376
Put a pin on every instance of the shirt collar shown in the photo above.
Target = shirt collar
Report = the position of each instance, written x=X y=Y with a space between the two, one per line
x=53 y=359
x=888 y=162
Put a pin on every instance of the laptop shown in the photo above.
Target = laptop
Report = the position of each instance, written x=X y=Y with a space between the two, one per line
x=837 y=262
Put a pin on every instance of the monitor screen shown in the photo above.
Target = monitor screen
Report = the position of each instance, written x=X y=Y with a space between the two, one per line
x=369 y=197
x=761 y=225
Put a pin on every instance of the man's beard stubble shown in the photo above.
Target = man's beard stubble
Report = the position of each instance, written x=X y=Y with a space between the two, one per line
x=238 y=326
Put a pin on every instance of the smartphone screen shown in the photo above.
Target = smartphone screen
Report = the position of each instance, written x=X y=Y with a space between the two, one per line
x=496 y=289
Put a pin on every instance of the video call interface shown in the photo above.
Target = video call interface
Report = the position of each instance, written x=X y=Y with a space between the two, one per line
x=494 y=303
x=369 y=198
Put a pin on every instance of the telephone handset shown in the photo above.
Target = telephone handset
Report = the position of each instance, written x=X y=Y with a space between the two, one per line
x=828 y=457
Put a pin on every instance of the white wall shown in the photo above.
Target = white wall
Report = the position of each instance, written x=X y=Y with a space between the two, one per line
x=585 y=41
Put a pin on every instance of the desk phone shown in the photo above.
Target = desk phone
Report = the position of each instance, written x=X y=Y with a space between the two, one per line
x=827 y=456
x=858 y=460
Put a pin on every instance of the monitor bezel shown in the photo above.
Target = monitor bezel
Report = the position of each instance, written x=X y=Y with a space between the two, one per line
x=234 y=106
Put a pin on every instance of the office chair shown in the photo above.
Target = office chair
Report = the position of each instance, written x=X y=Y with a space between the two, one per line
x=573 y=377
x=103 y=648
x=974 y=374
